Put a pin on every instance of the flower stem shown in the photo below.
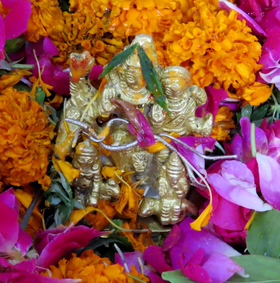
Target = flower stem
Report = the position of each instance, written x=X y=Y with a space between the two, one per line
x=22 y=66
x=253 y=140
x=25 y=219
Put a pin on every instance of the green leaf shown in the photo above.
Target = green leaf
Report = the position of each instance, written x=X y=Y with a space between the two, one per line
x=53 y=200
x=263 y=234
x=117 y=60
x=53 y=113
x=152 y=79
x=5 y=65
x=246 y=111
x=175 y=277
x=22 y=87
x=13 y=45
x=40 y=96
x=259 y=113
x=262 y=269
x=65 y=184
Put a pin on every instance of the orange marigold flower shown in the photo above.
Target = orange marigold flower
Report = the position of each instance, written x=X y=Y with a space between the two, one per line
x=214 y=46
x=91 y=268
x=25 y=138
x=45 y=19
x=223 y=124
x=12 y=78
x=256 y=93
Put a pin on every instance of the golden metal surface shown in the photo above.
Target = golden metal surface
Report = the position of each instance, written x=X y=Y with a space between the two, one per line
x=163 y=173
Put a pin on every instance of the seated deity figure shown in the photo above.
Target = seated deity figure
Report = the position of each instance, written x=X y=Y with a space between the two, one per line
x=126 y=82
x=173 y=186
x=182 y=101
x=88 y=187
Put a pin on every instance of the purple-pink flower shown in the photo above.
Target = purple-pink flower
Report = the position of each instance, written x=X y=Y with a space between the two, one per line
x=53 y=244
x=51 y=74
x=12 y=237
x=201 y=255
x=15 y=22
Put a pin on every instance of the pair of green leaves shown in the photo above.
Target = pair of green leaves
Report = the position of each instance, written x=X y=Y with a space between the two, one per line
x=149 y=73
x=60 y=196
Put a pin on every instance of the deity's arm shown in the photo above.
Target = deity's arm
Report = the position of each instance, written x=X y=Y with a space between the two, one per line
x=198 y=94
x=103 y=106
x=66 y=133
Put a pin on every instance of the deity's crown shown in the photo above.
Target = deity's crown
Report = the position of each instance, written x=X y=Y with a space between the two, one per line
x=85 y=148
x=176 y=71
x=147 y=43
x=174 y=165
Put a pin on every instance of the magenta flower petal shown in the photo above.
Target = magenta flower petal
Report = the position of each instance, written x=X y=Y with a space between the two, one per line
x=193 y=269
x=9 y=228
x=24 y=241
x=220 y=268
x=49 y=47
x=235 y=183
x=8 y=197
x=172 y=239
x=214 y=97
x=228 y=215
x=17 y=19
x=95 y=72
x=2 y=38
x=192 y=240
x=153 y=255
x=269 y=171
x=145 y=137
x=242 y=146
x=243 y=16
x=155 y=278
x=131 y=258
x=9 y=3
x=62 y=242
x=201 y=144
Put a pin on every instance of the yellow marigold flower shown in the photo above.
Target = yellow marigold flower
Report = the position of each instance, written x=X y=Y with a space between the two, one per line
x=256 y=93
x=25 y=138
x=12 y=78
x=91 y=268
x=223 y=124
x=45 y=19
x=214 y=46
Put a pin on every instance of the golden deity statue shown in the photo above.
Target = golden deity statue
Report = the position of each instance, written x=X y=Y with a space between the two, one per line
x=164 y=173
x=89 y=187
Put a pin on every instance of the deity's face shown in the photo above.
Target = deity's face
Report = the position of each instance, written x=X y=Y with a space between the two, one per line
x=84 y=162
x=134 y=78
x=174 y=87
x=140 y=161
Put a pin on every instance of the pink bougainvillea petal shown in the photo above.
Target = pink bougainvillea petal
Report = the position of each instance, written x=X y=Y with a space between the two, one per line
x=2 y=39
x=153 y=255
x=173 y=238
x=24 y=241
x=9 y=228
x=49 y=47
x=235 y=183
x=192 y=240
x=220 y=268
x=269 y=171
x=9 y=3
x=62 y=242
x=131 y=258
x=95 y=72
x=8 y=197
x=214 y=98
x=17 y=19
